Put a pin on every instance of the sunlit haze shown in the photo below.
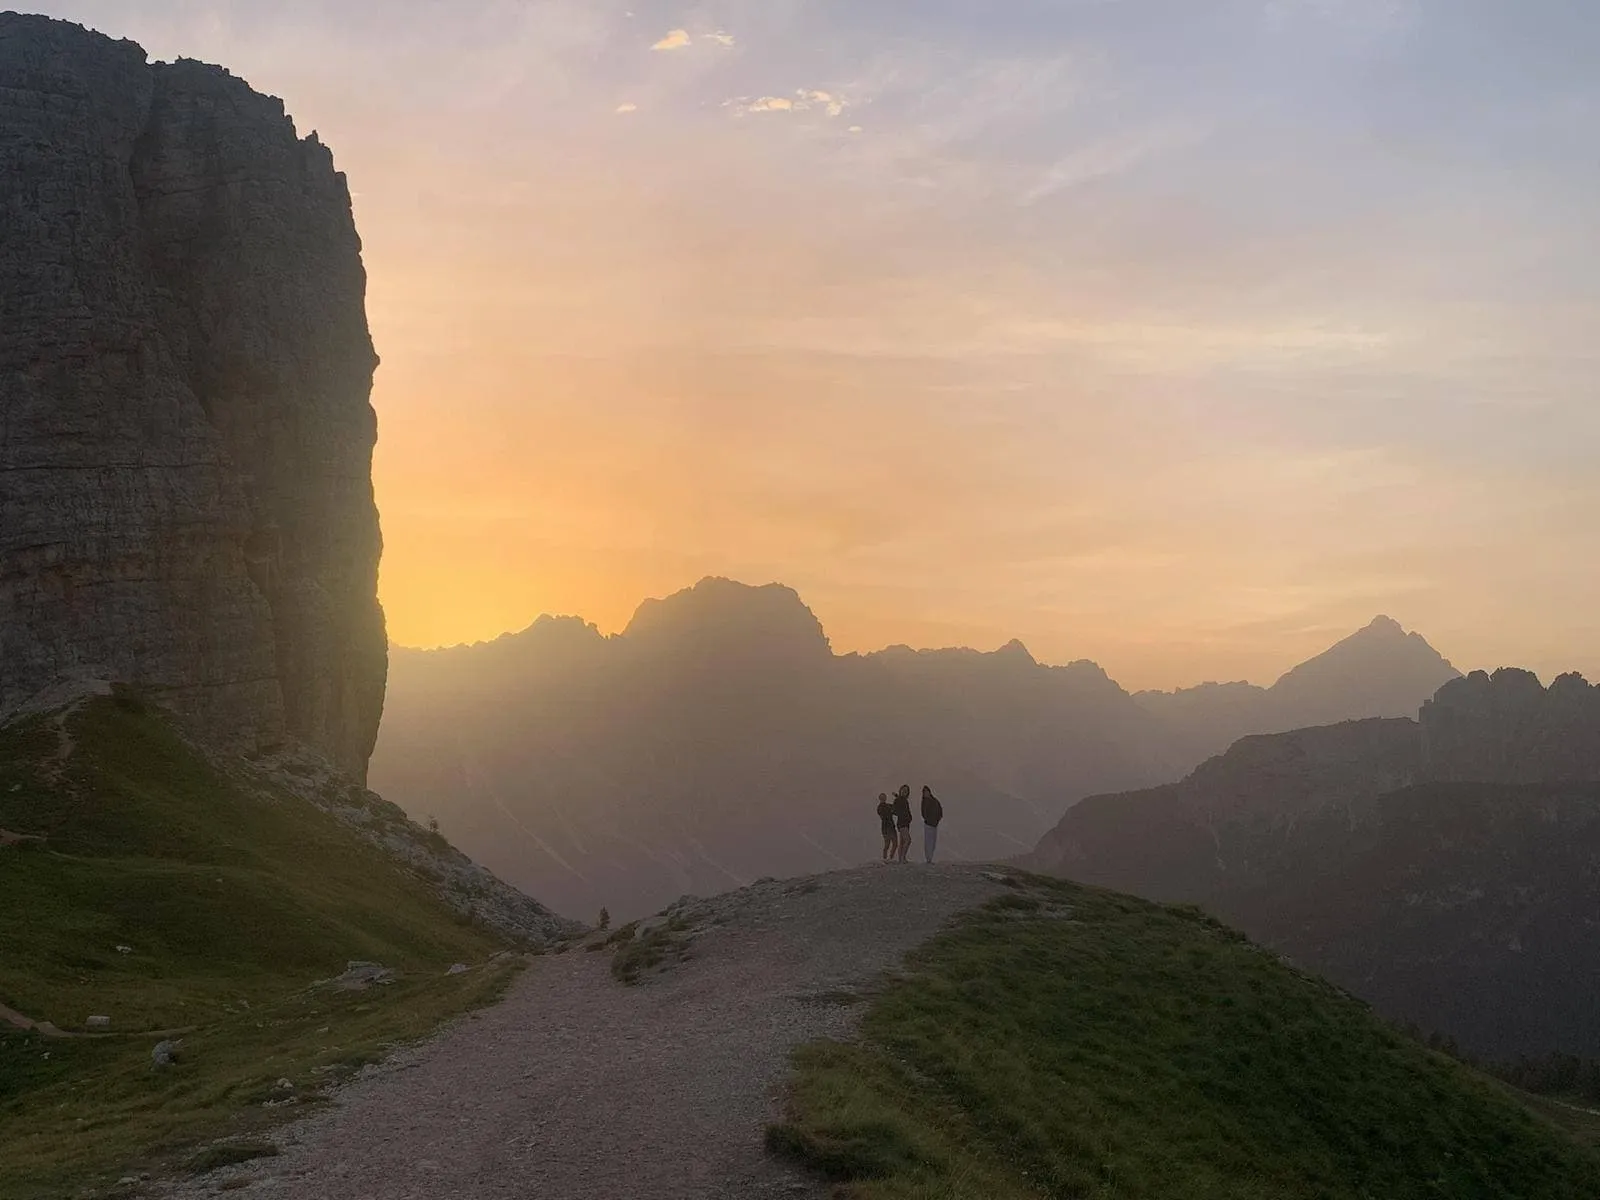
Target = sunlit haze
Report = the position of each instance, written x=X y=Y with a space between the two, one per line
x=1181 y=336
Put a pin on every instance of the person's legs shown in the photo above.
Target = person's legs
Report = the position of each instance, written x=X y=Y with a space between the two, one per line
x=930 y=840
x=905 y=842
x=888 y=846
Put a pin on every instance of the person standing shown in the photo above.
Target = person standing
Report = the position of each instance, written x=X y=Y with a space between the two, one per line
x=932 y=814
x=902 y=820
x=891 y=840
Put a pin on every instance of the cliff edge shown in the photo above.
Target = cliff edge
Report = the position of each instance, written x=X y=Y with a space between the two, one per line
x=185 y=430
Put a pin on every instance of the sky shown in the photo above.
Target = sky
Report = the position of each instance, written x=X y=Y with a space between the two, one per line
x=1182 y=335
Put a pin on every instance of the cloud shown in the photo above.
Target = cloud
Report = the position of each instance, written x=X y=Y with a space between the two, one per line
x=627 y=107
x=720 y=38
x=803 y=100
x=677 y=39
x=834 y=105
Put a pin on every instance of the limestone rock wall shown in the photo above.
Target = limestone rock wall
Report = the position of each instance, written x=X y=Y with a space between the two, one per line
x=185 y=428
x=1509 y=728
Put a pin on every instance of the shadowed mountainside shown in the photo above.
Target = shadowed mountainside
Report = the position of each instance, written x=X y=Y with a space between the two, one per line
x=1447 y=870
x=719 y=739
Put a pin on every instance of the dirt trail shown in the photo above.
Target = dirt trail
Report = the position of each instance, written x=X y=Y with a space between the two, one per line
x=577 y=1087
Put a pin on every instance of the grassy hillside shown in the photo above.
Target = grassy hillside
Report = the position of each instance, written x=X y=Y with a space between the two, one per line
x=1068 y=1042
x=153 y=889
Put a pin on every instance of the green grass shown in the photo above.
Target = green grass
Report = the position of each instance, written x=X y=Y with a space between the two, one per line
x=1067 y=1042
x=232 y=901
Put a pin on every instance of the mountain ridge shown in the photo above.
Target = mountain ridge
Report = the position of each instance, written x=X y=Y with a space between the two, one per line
x=1443 y=868
x=719 y=738
x=1381 y=670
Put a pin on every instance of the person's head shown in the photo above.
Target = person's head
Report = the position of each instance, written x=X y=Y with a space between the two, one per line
x=926 y=791
x=905 y=790
x=883 y=797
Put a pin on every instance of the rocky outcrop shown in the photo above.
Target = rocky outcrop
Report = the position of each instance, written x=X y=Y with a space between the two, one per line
x=185 y=433
x=1509 y=728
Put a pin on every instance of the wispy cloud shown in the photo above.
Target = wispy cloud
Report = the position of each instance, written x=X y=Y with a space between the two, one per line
x=627 y=107
x=677 y=39
x=1112 y=156
x=720 y=38
x=803 y=100
x=827 y=100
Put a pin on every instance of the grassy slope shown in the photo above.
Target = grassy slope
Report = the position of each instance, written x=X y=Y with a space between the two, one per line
x=1068 y=1042
x=232 y=905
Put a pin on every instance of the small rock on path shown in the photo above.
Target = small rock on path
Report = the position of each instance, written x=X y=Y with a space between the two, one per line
x=577 y=1087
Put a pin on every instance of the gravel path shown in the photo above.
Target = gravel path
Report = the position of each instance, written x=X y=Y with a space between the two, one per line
x=576 y=1086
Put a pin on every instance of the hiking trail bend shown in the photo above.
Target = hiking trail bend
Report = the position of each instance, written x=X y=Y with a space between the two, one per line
x=580 y=1086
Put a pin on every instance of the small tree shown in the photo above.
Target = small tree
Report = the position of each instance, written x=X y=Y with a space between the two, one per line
x=433 y=824
x=605 y=919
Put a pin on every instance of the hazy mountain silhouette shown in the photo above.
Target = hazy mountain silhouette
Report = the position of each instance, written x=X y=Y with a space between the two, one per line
x=1446 y=870
x=1381 y=671
x=718 y=739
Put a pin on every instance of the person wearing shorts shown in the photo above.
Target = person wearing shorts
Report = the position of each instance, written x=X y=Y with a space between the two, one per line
x=902 y=821
x=891 y=839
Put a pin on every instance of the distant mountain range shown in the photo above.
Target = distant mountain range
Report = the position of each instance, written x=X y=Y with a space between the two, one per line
x=719 y=739
x=1446 y=869
x=1382 y=671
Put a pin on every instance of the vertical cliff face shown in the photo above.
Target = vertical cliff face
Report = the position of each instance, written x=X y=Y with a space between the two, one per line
x=185 y=430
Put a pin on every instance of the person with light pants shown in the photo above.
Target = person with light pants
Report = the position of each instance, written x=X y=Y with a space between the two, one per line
x=932 y=814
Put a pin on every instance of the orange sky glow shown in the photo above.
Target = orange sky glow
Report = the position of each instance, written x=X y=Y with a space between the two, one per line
x=1186 y=344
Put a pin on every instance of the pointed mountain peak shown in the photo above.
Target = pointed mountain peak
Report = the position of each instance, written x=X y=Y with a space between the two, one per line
x=1380 y=671
x=1380 y=636
x=1016 y=650
x=1384 y=626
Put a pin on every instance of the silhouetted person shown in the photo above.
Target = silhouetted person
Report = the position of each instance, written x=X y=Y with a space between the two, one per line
x=932 y=814
x=891 y=840
x=902 y=819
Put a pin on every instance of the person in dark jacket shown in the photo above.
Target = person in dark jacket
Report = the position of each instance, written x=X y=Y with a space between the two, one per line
x=932 y=814
x=891 y=839
x=902 y=820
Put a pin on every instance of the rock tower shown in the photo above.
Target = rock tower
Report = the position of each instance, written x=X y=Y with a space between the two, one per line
x=185 y=427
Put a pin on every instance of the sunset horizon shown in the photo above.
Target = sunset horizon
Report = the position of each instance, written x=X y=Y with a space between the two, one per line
x=1184 y=341
x=619 y=628
x=626 y=600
